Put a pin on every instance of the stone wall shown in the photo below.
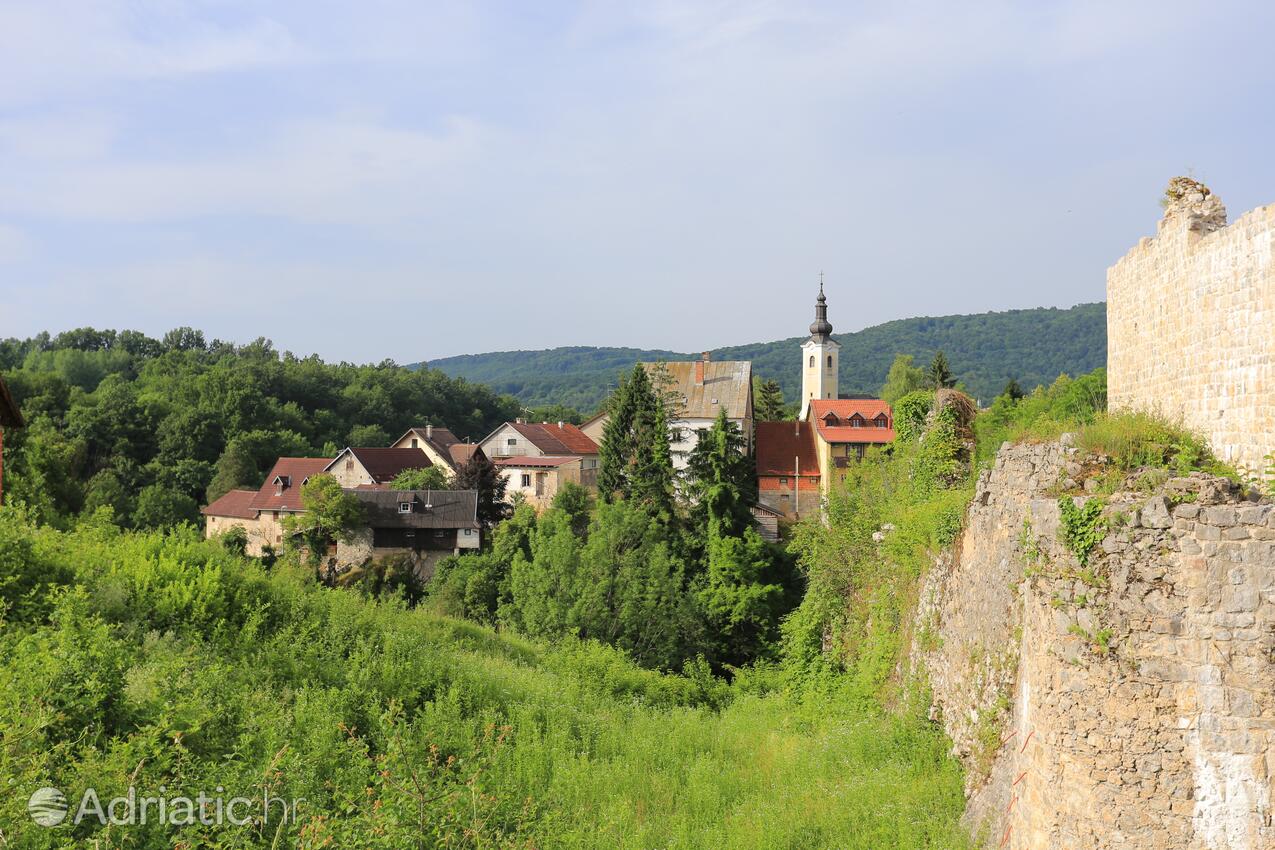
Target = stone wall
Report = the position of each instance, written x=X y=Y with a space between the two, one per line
x=1191 y=324
x=1126 y=703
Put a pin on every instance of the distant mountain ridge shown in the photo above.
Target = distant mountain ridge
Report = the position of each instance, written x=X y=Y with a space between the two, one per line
x=985 y=350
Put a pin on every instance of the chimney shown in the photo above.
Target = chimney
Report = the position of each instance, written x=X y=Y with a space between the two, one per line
x=560 y=425
x=699 y=369
x=520 y=421
x=429 y=432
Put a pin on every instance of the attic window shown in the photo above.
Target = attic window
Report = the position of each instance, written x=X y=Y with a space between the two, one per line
x=714 y=401
x=405 y=507
x=414 y=445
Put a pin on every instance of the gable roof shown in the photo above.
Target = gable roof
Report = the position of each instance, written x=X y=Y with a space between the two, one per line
x=10 y=416
x=554 y=439
x=730 y=382
x=235 y=503
x=831 y=417
x=444 y=442
x=383 y=464
x=446 y=508
x=786 y=448
x=296 y=470
x=460 y=453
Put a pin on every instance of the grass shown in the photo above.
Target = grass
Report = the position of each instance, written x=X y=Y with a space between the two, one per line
x=164 y=660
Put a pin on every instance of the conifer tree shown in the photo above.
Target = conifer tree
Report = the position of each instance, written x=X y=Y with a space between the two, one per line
x=940 y=373
x=635 y=459
x=768 y=400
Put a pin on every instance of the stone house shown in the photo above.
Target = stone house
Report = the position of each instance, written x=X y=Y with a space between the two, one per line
x=533 y=439
x=440 y=445
x=844 y=430
x=10 y=417
x=374 y=467
x=540 y=478
x=261 y=512
x=788 y=470
x=426 y=525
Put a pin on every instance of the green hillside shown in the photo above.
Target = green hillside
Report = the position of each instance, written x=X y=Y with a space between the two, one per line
x=985 y=350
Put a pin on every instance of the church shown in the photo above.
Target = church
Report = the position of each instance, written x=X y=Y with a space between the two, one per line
x=799 y=462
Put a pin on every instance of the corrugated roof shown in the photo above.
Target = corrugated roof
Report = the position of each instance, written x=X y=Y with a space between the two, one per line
x=294 y=471
x=786 y=448
x=10 y=416
x=384 y=464
x=530 y=461
x=832 y=415
x=236 y=503
x=430 y=508
x=730 y=382
x=554 y=440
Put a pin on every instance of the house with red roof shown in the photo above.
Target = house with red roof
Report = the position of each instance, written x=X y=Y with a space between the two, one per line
x=536 y=459
x=844 y=429
x=260 y=513
x=442 y=447
x=372 y=467
x=788 y=471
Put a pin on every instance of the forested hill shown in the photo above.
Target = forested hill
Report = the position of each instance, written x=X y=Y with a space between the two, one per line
x=985 y=350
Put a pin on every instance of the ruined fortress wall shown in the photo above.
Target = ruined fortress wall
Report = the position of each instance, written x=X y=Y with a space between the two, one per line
x=1129 y=703
x=1191 y=325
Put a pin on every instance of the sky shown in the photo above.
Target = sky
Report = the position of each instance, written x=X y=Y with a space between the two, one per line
x=411 y=180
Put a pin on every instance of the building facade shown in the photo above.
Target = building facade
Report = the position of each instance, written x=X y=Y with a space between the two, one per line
x=440 y=445
x=538 y=479
x=374 y=467
x=788 y=470
x=844 y=430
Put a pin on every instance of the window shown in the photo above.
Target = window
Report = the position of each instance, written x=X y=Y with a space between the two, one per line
x=812 y=360
x=469 y=532
x=829 y=361
x=512 y=441
x=405 y=507
x=676 y=435
x=814 y=480
x=414 y=445
x=882 y=421
x=438 y=533
x=783 y=482
x=349 y=464
x=526 y=479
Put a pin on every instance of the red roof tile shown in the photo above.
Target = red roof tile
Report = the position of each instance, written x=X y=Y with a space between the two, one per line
x=293 y=472
x=554 y=440
x=236 y=503
x=786 y=448
x=832 y=416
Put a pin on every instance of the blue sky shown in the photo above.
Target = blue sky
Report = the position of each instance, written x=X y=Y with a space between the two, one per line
x=413 y=180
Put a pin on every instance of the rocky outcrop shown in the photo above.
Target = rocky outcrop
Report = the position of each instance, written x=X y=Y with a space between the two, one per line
x=1117 y=689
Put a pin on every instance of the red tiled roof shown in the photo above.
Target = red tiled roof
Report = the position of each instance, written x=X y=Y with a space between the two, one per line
x=786 y=448
x=554 y=440
x=294 y=471
x=383 y=464
x=529 y=461
x=236 y=503
x=844 y=409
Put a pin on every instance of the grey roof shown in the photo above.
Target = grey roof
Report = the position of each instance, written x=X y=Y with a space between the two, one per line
x=430 y=508
x=730 y=382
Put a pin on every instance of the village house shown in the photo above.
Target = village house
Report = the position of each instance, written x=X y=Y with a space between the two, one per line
x=788 y=469
x=426 y=525
x=531 y=439
x=440 y=445
x=10 y=417
x=539 y=478
x=844 y=430
x=372 y=467
x=260 y=513
x=594 y=426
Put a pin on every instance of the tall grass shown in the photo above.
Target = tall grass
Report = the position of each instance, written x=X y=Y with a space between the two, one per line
x=162 y=660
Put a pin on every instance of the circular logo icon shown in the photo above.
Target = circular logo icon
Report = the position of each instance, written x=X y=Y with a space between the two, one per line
x=47 y=807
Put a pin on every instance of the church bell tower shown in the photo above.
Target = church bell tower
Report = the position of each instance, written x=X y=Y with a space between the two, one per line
x=819 y=357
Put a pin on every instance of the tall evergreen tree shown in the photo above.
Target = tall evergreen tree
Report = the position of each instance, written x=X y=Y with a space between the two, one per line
x=1013 y=390
x=635 y=459
x=721 y=479
x=479 y=473
x=768 y=400
x=940 y=373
